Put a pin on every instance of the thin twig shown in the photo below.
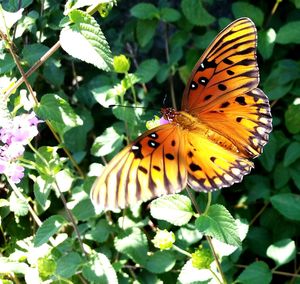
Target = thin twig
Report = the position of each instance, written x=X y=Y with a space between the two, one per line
x=171 y=82
x=259 y=213
x=71 y=218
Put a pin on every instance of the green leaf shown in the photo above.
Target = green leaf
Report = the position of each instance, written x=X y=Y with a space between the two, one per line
x=33 y=52
x=281 y=175
x=17 y=205
x=289 y=33
x=100 y=232
x=42 y=188
x=84 y=210
x=160 y=262
x=107 y=142
x=48 y=229
x=6 y=63
x=133 y=243
x=218 y=223
x=191 y=275
x=144 y=11
x=266 y=42
x=280 y=80
x=145 y=31
x=292 y=154
x=292 y=118
x=67 y=265
x=195 y=13
x=287 y=204
x=175 y=209
x=54 y=73
x=84 y=40
x=8 y=19
x=244 y=9
x=257 y=272
x=147 y=70
x=99 y=270
x=169 y=15
x=58 y=110
x=282 y=252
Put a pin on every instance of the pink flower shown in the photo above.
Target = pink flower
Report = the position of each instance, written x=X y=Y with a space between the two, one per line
x=163 y=121
x=15 y=136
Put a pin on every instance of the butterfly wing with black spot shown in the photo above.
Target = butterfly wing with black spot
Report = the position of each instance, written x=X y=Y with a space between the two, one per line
x=222 y=91
x=148 y=167
x=212 y=165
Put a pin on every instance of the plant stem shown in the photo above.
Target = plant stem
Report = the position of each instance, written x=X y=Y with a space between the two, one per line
x=132 y=89
x=181 y=250
x=209 y=238
x=209 y=195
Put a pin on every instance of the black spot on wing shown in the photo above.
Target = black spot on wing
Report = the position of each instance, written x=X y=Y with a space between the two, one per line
x=241 y=100
x=169 y=156
x=195 y=167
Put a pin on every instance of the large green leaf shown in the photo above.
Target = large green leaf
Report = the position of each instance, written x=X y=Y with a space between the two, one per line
x=160 y=262
x=292 y=118
x=257 y=272
x=245 y=9
x=218 y=223
x=84 y=40
x=288 y=204
x=176 y=209
x=292 y=154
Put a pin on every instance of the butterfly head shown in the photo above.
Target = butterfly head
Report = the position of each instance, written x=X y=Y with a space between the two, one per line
x=168 y=115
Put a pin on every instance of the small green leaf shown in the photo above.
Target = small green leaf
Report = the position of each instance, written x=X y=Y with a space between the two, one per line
x=107 y=142
x=145 y=31
x=48 y=229
x=99 y=270
x=160 y=262
x=292 y=154
x=281 y=175
x=244 y=9
x=282 y=252
x=292 y=118
x=6 y=63
x=266 y=42
x=54 y=108
x=84 y=40
x=287 y=204
x=218 y=223
x=195 y=13
x=289 y=33
x=100 y=232
x=175 y=209
x=133 y=243
x=144 y=11
x=257 y=272
x=169 y=15
x=147 y=70
x=67 y=265
x=17 y=205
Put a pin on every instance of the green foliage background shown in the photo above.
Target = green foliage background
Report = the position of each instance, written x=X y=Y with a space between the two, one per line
x=162 y=40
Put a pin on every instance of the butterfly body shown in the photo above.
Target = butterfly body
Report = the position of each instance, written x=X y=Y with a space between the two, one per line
x=224 y=121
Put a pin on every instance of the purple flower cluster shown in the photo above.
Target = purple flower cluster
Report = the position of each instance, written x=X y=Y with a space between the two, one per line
x=14 y=137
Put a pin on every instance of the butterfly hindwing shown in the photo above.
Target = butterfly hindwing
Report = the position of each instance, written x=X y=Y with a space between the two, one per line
x=148 y=167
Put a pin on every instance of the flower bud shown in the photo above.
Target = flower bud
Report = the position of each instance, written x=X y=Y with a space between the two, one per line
x=121 y=64
x=202 y=258
x=163 y=239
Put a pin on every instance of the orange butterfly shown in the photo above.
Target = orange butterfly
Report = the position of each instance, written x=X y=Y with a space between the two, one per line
x=224 y=121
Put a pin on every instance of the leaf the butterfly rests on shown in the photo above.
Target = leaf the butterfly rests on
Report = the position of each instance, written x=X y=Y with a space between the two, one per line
x=225 y=120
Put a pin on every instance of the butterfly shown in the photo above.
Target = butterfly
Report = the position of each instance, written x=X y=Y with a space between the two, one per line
x=224 y=121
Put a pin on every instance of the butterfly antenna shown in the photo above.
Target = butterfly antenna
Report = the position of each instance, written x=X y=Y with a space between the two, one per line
x=116 y=105
x=164 y=100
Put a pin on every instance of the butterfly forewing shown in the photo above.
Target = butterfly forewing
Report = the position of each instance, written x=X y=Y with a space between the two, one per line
x=228 y=66
x=148 y=167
